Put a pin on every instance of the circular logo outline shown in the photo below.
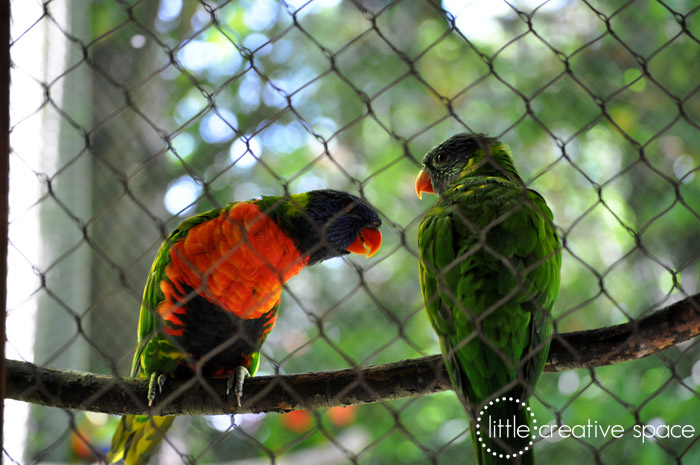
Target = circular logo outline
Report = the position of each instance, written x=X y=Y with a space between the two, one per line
x=514 y=454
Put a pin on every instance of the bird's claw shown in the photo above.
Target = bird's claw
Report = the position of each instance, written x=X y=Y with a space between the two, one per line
x=235 y=381
x=157 y=380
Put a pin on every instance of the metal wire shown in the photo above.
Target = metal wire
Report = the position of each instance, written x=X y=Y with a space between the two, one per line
x=136 y=115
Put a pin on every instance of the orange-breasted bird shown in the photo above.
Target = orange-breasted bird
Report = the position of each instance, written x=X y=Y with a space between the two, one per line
x=213 y=292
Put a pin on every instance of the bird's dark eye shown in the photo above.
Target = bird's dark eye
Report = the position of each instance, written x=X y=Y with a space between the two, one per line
x=441 y=158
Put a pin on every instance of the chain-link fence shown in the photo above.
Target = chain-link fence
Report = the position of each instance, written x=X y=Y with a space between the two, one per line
x=128 y=116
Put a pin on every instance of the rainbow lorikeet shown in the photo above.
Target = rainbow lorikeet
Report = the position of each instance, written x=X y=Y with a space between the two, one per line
x=213 y=292
x=489 y=268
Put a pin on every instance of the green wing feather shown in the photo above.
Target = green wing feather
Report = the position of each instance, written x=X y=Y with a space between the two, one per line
x=489 y=271
x=140 y=435
x=162 y=356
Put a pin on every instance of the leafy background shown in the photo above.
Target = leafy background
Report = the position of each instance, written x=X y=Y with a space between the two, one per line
x=188 y=105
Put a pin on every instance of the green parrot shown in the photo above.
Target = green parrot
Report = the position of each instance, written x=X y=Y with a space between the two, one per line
x=214 y=289
x=490 y=262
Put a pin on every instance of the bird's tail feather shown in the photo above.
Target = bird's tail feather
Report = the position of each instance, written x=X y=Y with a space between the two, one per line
x=504 y=444
x=137 y=437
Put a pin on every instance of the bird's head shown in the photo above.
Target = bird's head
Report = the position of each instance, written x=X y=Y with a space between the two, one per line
x=331 y=223
x=464 y=155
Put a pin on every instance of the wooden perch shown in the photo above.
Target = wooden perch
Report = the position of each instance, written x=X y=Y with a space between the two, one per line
x=197 y=396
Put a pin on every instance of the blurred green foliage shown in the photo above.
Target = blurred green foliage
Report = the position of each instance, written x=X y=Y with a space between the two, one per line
x=600 y=103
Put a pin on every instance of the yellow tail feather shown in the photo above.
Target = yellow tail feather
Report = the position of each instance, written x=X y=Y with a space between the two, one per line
x=137 y=437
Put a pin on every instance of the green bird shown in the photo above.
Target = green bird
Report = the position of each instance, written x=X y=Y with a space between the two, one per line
x=214 y=289
x=490 y=262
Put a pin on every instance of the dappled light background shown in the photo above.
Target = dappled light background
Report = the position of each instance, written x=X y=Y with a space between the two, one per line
x=137 y=114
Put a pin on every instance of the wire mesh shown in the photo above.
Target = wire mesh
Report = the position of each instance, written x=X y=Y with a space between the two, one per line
x=129 y=116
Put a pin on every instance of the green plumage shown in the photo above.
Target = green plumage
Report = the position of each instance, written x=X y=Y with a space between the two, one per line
x=489 y=271
x=137 y=437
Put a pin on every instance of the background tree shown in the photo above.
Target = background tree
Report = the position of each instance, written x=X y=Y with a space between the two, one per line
x=193 y=104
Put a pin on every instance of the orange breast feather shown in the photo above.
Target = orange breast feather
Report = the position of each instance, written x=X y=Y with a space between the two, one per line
x=239 y=261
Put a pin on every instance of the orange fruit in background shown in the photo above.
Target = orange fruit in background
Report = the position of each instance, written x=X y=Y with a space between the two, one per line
x=80 y=447
x=342 y=416
x=298 y=421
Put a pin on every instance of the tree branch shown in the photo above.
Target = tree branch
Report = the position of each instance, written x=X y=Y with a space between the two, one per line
x=197 y=396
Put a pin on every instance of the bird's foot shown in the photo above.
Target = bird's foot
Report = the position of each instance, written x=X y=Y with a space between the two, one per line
x=235 y=381
x=156 y=381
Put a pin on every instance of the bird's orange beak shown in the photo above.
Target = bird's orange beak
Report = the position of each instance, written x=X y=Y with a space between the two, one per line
x=423 y=184
x=367 y=242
